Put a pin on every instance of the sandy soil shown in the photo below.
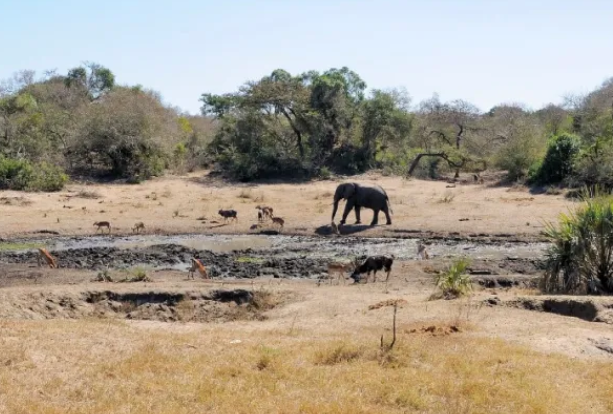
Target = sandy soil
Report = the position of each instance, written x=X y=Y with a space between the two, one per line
x=175 y=205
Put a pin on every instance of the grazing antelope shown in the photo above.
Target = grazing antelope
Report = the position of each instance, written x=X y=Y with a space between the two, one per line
x=44 y=254
x=228 y=214
x=279 y=221
x=101 y=224
x=422 y=253
x=255 y=226
x=197 y=265
x=138 y=227
x=265 y=210
x=374 y=263
x=339 y=268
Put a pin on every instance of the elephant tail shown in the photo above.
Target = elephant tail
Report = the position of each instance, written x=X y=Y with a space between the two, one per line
x=389 y=205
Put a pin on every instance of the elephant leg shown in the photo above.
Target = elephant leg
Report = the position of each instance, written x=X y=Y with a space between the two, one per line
x=348 y=207
x=357 y=215
x=375 y=218
x=387 y=216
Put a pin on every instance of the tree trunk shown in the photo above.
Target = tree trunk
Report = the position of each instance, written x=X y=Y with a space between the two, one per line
x=296 y=131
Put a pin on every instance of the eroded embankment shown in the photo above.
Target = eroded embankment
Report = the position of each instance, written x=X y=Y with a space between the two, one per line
x=587 y=308
x=167 y=306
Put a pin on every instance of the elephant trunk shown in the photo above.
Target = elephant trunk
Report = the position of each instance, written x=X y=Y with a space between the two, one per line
x=335 y=208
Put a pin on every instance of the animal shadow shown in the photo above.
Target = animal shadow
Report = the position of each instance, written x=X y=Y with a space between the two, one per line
x=345 y=229
x=218 y=225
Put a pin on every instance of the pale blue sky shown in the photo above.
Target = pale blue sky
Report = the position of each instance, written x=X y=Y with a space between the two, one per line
x=486 y=52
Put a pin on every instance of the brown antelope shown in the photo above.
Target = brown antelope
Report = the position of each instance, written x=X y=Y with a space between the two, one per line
x=265 y=211
x=422 y=253
x=279 y=221
x=138 y=227
x=101 y=224
x=339 y=268
x=197 y=265
x=255 y=226
x=44 y=254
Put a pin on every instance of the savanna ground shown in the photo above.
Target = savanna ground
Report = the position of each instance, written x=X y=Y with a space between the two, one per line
x=298 y=347
x=176 y=204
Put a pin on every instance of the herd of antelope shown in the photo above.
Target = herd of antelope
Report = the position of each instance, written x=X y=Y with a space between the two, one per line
x=371 y=264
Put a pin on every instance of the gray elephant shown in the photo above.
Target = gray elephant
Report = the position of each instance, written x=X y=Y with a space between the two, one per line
x=358 y=196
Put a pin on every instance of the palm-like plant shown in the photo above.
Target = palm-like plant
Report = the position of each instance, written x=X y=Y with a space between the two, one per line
x=581 y=257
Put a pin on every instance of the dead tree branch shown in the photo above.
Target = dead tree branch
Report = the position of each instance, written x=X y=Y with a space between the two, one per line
x=387 y=348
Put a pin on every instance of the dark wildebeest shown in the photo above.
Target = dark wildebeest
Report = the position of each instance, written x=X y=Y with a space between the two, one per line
x=373 y=264
x=228 y=214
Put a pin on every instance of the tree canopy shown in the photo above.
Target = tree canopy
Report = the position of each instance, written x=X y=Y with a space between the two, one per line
x=296 y=125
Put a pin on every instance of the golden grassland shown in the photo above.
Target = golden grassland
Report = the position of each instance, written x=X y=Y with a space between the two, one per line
x=96 y=366
x=319 y=352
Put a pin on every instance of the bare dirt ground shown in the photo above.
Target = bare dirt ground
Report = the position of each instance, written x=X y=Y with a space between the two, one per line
x=176 y=205
x=70 y=344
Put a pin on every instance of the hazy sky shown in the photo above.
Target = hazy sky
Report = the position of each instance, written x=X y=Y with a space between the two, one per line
x=483 y=51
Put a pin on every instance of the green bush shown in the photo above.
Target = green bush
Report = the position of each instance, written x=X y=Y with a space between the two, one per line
x=136 y=161
x=454 y=282
x=22 y=175
x=580 y=259
x=558 y=161
x=518 y=156
x=594 y=166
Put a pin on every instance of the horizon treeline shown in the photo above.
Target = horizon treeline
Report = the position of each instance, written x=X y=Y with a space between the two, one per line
x=308 y=125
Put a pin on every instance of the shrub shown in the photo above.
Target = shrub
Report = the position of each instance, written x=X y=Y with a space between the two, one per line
x=47 y=177
x=581 y=256
x=22 y=175
x=454 y=282
x=594 y=166
x=518 y=156
x=558 y=161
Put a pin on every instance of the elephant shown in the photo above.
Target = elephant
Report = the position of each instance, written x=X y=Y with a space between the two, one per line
x=358 y=196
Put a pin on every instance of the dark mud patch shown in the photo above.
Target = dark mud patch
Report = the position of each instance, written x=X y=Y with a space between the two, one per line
x=164 y=306
x=483 y=238
x=588 y=309
x=506 y=272
x=241 y=264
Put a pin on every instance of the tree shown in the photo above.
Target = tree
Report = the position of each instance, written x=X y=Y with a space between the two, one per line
x=452 y=125
x=92 y=79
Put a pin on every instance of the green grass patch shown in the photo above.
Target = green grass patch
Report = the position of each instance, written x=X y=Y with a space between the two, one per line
x=245 y=259
x=8 y=246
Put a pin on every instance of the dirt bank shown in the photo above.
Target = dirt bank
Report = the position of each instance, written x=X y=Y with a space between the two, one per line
x=141 y=303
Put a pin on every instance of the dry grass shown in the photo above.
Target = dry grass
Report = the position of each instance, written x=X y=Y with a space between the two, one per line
x=113 y=367
x=88 y=194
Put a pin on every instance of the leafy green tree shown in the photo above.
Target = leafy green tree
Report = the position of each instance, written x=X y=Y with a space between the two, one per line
x=92 y=79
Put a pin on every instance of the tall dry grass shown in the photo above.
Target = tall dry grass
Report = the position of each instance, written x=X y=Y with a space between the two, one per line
x=94 y=366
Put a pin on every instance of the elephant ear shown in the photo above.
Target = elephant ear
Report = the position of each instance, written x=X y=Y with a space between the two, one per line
x=350 y=190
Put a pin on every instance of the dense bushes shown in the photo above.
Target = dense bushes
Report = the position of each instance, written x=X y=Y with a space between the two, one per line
x=23 y=175
x=87 y=125
x=557 y=164
x=304 y=125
